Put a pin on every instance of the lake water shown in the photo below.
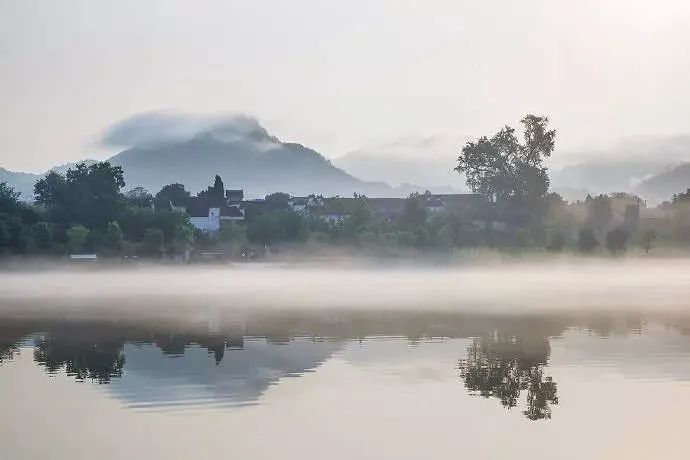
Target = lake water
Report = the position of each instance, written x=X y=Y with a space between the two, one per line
x=90 y=377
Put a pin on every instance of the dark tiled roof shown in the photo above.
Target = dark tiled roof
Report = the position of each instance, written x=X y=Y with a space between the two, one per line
x=386 y=206
x=234 y=195
x=199 y=207
x=231 y=211
x=195 y=206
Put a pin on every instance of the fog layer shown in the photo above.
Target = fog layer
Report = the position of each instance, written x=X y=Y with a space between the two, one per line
x=656 y=285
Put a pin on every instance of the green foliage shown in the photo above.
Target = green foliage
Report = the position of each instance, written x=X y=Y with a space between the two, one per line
x=152 y=243
x=168 y=222
x=86 y=195
x=113 y=239
x=278 y=197
x=556 y=242
x=599 y=210
x=217 y=192
x=586 y=240
x=275 y=227
x=171 y=193
x=135 y=220
x=523 y=238
x=445 y=237
x=682 y=197
x=183 y=238
x=5 y=236
x=9 y=199
x=616 y=240
x=504 y=169
x=233 y=233
x=139 y=197
x=43 y=235
x=414 y=212
x=76 y=238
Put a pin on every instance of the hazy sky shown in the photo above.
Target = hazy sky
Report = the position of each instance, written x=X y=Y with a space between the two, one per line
x=340 y=75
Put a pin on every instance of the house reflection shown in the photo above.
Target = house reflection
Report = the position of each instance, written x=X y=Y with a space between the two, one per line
x=153 y=363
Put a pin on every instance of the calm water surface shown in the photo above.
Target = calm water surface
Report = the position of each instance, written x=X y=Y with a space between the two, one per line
x=343 y=384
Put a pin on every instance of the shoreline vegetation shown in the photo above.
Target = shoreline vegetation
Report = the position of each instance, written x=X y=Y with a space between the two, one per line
x=85 y=215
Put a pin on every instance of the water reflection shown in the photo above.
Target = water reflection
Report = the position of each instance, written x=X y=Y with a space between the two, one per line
x=504 y=367
x=233 y=360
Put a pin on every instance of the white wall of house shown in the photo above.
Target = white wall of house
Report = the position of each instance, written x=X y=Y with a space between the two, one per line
x=210 y=223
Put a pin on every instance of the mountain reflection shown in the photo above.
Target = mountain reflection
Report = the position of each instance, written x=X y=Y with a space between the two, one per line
x=233 y=360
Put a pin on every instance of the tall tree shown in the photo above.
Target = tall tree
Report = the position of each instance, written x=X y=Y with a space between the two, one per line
x=504 y=169
x=171 y=193
x=88 y=194
x=140 y=197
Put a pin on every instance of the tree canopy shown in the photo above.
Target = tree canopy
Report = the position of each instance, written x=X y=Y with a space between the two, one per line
x=87 y=194
x=504 y=169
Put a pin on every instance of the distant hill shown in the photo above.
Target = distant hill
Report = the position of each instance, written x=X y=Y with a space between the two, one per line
x=663 y=185
x=22 y=182
x=258 y=167
x=605 y=176
x=427 y=162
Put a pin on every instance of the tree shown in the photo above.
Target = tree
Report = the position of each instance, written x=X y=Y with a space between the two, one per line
x=51 y=190
x=135 y=220
x=616 y=240
x=216 y=193
x=183 y=238
x=5 y=236
x=523 y=238
x=503 y=367
x=113 y=238
x=414 y=211
x=445 y=238
x=647 y=240
x=557 y=242
x=76 y=238
x=169 y=221
x=503 y=169
x=359 y=216
x=9 y=199
x=218 y=190
x=586 y=241
x=139 y=197
x=42 y=234
x=275 y=226
x=232 y=233
x=681 y=197
x=86 y=195
x=599 y=210
x=171 y=193
x=279 y=197
x=152 y=243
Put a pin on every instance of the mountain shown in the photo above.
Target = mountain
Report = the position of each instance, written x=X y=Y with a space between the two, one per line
x=426 y=161
x=605 y=176
x=21 y=181
x=628 y=166
x=663 y=185
x=24 y=182
x=258 y=168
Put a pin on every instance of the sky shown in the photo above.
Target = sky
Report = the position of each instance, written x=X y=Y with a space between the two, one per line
x=341 y=75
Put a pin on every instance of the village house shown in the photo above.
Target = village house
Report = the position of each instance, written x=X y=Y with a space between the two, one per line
x=304 y=204
x=207 y=213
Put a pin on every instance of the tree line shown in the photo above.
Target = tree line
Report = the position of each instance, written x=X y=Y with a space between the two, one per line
x=86 y=210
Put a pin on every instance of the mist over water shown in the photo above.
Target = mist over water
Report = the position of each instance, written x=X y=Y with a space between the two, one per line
x=655 y=285
x=481 y=360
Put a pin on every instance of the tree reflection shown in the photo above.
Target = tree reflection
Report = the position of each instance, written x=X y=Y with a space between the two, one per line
x=504 y=367
x=100 y=361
